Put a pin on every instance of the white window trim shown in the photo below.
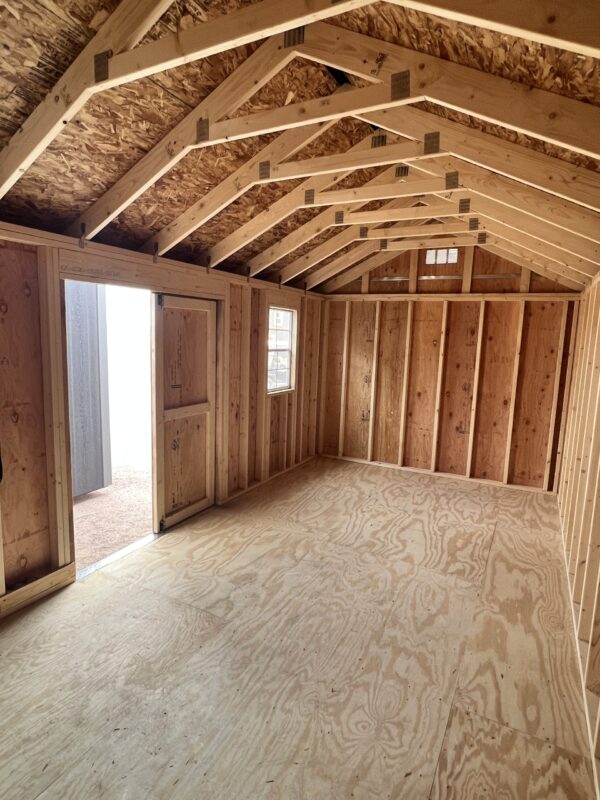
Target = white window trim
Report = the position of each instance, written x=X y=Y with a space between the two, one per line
x=294 y=342
x=436 y=251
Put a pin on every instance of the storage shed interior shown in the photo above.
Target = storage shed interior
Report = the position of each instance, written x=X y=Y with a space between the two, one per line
x=371 y=232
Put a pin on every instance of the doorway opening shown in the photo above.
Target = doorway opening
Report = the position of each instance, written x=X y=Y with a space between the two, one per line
x=110 y=410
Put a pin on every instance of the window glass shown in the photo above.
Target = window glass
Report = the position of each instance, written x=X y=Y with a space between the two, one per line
x=453 y=255
x=442 y=257
x=430 y=257
x=281 y=345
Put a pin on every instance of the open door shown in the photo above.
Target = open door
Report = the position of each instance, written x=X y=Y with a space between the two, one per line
x=184 y=373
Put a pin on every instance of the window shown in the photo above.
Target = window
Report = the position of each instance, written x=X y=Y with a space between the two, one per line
x=281 y=349
x=444 y=256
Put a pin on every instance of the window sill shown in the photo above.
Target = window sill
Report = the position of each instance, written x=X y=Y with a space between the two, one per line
x=276 y=392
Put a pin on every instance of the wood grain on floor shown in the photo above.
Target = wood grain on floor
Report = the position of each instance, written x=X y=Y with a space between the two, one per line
x=345 y=632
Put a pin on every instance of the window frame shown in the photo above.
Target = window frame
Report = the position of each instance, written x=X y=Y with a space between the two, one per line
x=291 y=350
x=436 y=257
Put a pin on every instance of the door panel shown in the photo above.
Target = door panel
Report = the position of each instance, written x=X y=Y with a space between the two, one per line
x=184 y=372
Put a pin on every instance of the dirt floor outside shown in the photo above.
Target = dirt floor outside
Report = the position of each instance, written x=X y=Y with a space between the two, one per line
x=112 y=518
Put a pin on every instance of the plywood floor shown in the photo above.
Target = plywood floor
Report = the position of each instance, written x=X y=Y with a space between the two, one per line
x=345 y=631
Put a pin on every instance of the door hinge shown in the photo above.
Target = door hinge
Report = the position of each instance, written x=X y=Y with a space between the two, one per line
x=160 y=298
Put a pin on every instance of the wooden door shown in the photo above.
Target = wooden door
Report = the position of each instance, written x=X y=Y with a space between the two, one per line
x=184 y=374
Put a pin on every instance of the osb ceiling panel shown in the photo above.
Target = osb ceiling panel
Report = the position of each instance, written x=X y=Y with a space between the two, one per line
x=39 y=38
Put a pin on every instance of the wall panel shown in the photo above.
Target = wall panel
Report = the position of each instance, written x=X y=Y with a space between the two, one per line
x=579 y=496
x=461 y=389
x=390 y=370
x=422 y=381
x=359 y=376
x=333 y=386
x=457 y=387
x=535 y=392
x=235 y=387
x=24 y=514
x=498 y=352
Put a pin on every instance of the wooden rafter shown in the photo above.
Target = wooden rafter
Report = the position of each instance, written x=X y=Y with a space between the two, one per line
x=235 y=185
x=304 y=233
x=538 y=170
x=111 y=59
x=244 y=26
x=554 y=222
x=354 y=234
x=125 y=27
x=234 y=91
x=266 y=167
x=565 y=215
x=569 y=26
x=282 y=208
x=545 y=115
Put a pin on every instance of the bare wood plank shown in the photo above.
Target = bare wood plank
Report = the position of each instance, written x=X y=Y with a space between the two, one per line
x=559 y=355
x=413 y=274
x=525 y=279
x=404 y=394
x=574 y=406
x=25 y=595
x=579 y=429
x=262 y=423
x=245 y=386
x=323 y=377
x=567 y=398
x=438 y=388
x=467 y=269
x=373 y=400
x=158 y=419
x=513 y=392
x=476 y=377
x=187 y=411
x=344 y=378
x=314 y=381
x=55 y=406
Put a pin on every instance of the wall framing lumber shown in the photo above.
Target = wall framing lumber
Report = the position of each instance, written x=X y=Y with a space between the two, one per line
x=438 y=388
x=25 y=595
x=404 y=392
x=557 y=375
x=55 y=405
x=513 y=392
x=468 y=269
x=475 y=392
x=574 y=327
x=348 y=312
x=373 y=399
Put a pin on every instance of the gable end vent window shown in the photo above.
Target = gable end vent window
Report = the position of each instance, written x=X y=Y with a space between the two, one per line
x=442 y=256
x=281 y=349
